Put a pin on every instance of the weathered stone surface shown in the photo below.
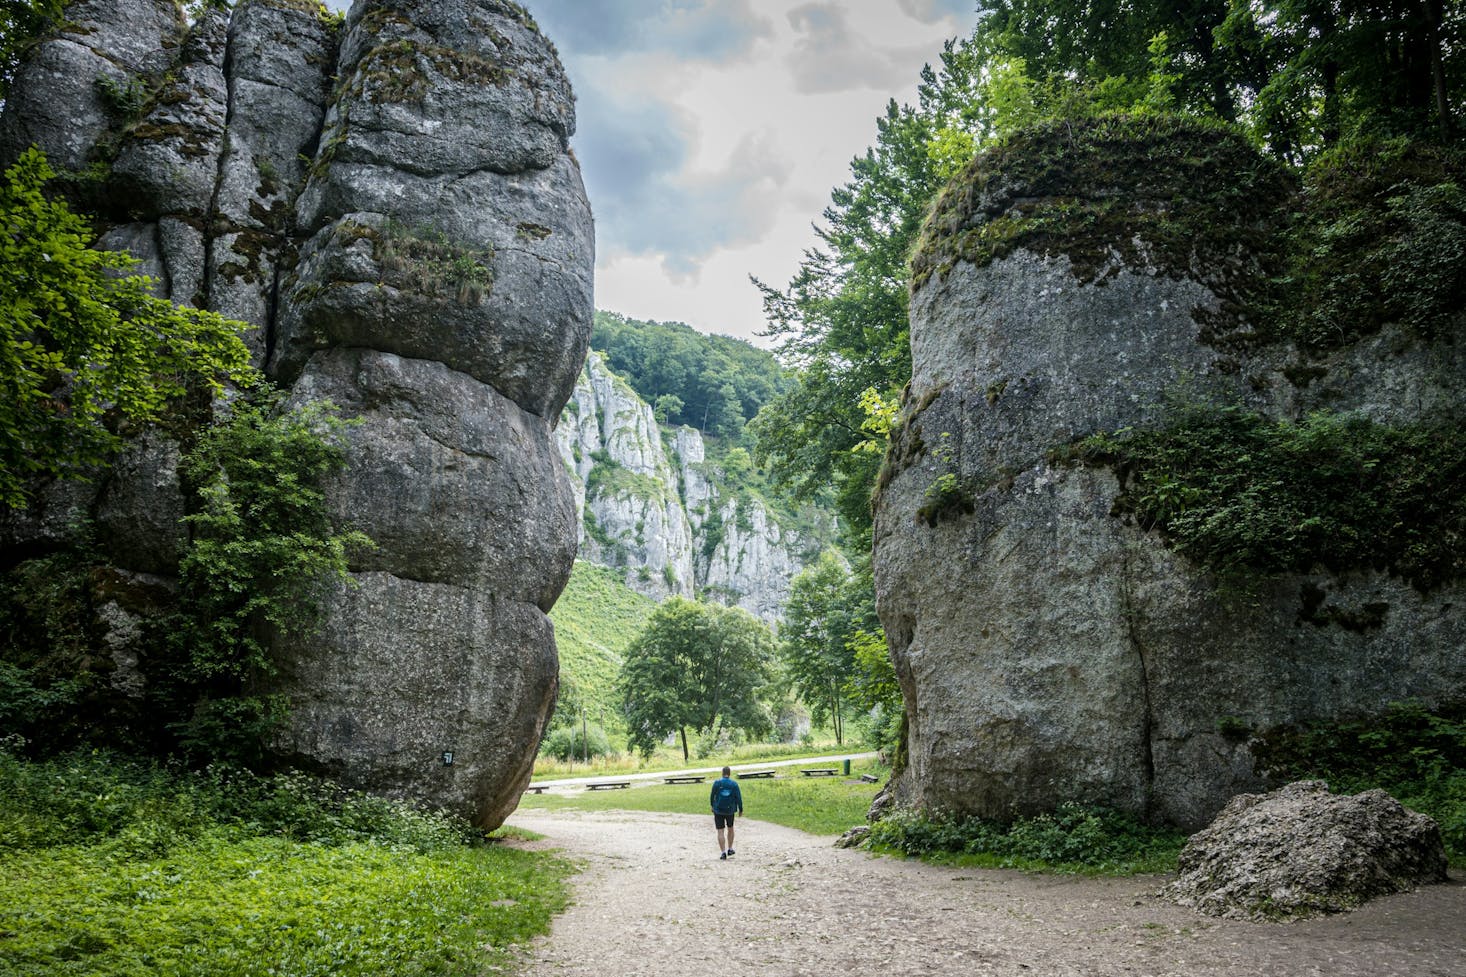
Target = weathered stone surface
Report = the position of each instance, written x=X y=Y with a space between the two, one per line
x=1301 y=851
x=1047 y=649
x=442 y=294
x=404 y=671
x=522 y=242
x=139 y=514
x=495 y=511
x=101 y=41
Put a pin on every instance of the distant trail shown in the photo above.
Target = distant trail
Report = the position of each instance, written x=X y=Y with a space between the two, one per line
x=655 y=901
x=659 y=774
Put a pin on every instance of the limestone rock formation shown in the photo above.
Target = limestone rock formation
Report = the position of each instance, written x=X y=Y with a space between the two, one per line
x=659 y=511
x=392 y=204
x=1302 y=851
x=1049 y=649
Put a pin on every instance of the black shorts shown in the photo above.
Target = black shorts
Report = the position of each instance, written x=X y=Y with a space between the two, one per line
x=722 y=820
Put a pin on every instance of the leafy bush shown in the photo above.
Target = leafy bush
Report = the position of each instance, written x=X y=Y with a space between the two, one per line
x=569 y=743
x=1239 y=493
x=1072 y=838
x=1415 y=753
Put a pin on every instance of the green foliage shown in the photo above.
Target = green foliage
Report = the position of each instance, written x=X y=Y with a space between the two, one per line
x=1415 y=753
x=818 y=805
x=572 y=743
x=264 y=547
x=596 y=618
x=1073 y=838
x=1380 y=237
x=262 y=552
x=714 y=383
x=124 y=869
x=1240 y=494
x=698 y=666
x=824 y=610
x=23 y=23
x=87 y=352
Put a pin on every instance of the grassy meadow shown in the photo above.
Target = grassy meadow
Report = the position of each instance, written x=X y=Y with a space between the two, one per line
x=818 y=805
x=116 y=868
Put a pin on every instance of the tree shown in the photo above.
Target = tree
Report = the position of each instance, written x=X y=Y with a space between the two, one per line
x=698 y=666
x=820 y=620
x=88 y=353
x=22 y=23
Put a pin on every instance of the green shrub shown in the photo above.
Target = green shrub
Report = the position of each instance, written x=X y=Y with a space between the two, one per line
x=1072 y=838
x=1241 y=494
x=570 y=743
x=1415 y=753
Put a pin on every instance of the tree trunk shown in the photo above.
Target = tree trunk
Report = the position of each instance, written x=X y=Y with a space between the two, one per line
x=686 y=757
x=1433 y=15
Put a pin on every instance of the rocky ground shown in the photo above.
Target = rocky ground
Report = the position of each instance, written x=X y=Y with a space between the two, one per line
x=655 y=901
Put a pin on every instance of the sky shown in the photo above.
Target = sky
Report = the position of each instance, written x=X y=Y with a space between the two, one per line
x=711 y=132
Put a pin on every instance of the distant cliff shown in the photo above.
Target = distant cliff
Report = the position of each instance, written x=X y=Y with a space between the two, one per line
x=392 y=203
x=674 y=521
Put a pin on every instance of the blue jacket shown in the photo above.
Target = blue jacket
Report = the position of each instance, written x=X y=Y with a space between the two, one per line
x=725 y=797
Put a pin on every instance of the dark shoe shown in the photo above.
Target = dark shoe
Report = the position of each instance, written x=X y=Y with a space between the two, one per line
x=724 y=856
x=730 y=851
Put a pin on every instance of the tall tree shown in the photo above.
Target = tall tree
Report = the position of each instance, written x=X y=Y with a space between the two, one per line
x=696 y=666
x=820 y=620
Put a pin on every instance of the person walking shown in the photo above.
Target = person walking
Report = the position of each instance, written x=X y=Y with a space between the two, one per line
x=727 y=801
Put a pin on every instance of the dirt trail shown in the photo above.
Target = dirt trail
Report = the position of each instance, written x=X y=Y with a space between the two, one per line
x=655 y=901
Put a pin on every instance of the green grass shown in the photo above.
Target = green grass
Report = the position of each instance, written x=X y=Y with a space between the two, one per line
x=595 y=618
x=818 y=805
x=119 y=868
x=670 y=758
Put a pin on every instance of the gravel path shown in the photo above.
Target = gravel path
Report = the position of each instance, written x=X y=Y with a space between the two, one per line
x=655 y=901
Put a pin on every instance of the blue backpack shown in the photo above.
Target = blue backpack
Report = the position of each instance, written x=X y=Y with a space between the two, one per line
x=725 y=800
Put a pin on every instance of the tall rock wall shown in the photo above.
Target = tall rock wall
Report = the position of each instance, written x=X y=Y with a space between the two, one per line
x=1047 y=648
x=392 y=204
x=655 y=508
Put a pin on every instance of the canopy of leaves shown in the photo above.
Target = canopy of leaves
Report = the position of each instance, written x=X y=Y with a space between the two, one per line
x=698 y=666
x=713 y=383
x=85 y=353
x=820 y=618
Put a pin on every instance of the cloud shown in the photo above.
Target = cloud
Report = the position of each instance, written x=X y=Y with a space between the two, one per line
x=931 y=11
x=830 y=57
x=699 y=30
x=647 y=197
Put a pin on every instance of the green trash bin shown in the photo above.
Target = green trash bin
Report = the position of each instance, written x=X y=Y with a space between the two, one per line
x=847 y=766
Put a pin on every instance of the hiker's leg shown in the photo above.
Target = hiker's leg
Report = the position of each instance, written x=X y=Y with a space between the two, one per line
x=722 y=847
x=730 y=833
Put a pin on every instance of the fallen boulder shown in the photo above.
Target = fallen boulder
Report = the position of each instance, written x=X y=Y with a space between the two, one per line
x=1301 y=851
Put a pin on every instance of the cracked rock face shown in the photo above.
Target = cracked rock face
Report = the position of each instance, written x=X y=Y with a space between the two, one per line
x=1049 y=651
x=393 y=205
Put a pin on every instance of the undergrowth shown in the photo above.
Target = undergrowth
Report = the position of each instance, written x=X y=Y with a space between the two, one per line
x=1417 y=754
x=1242 y=494
x=1073 y=839
x=120 y=867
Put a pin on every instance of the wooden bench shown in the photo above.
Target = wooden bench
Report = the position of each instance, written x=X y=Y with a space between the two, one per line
x=608 y=785
x=754 y=774
x=534 y=790
x=684 y=780
x=820 y=772
x=870 y=778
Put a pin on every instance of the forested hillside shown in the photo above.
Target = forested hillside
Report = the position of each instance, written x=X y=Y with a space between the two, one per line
x=713 y=383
